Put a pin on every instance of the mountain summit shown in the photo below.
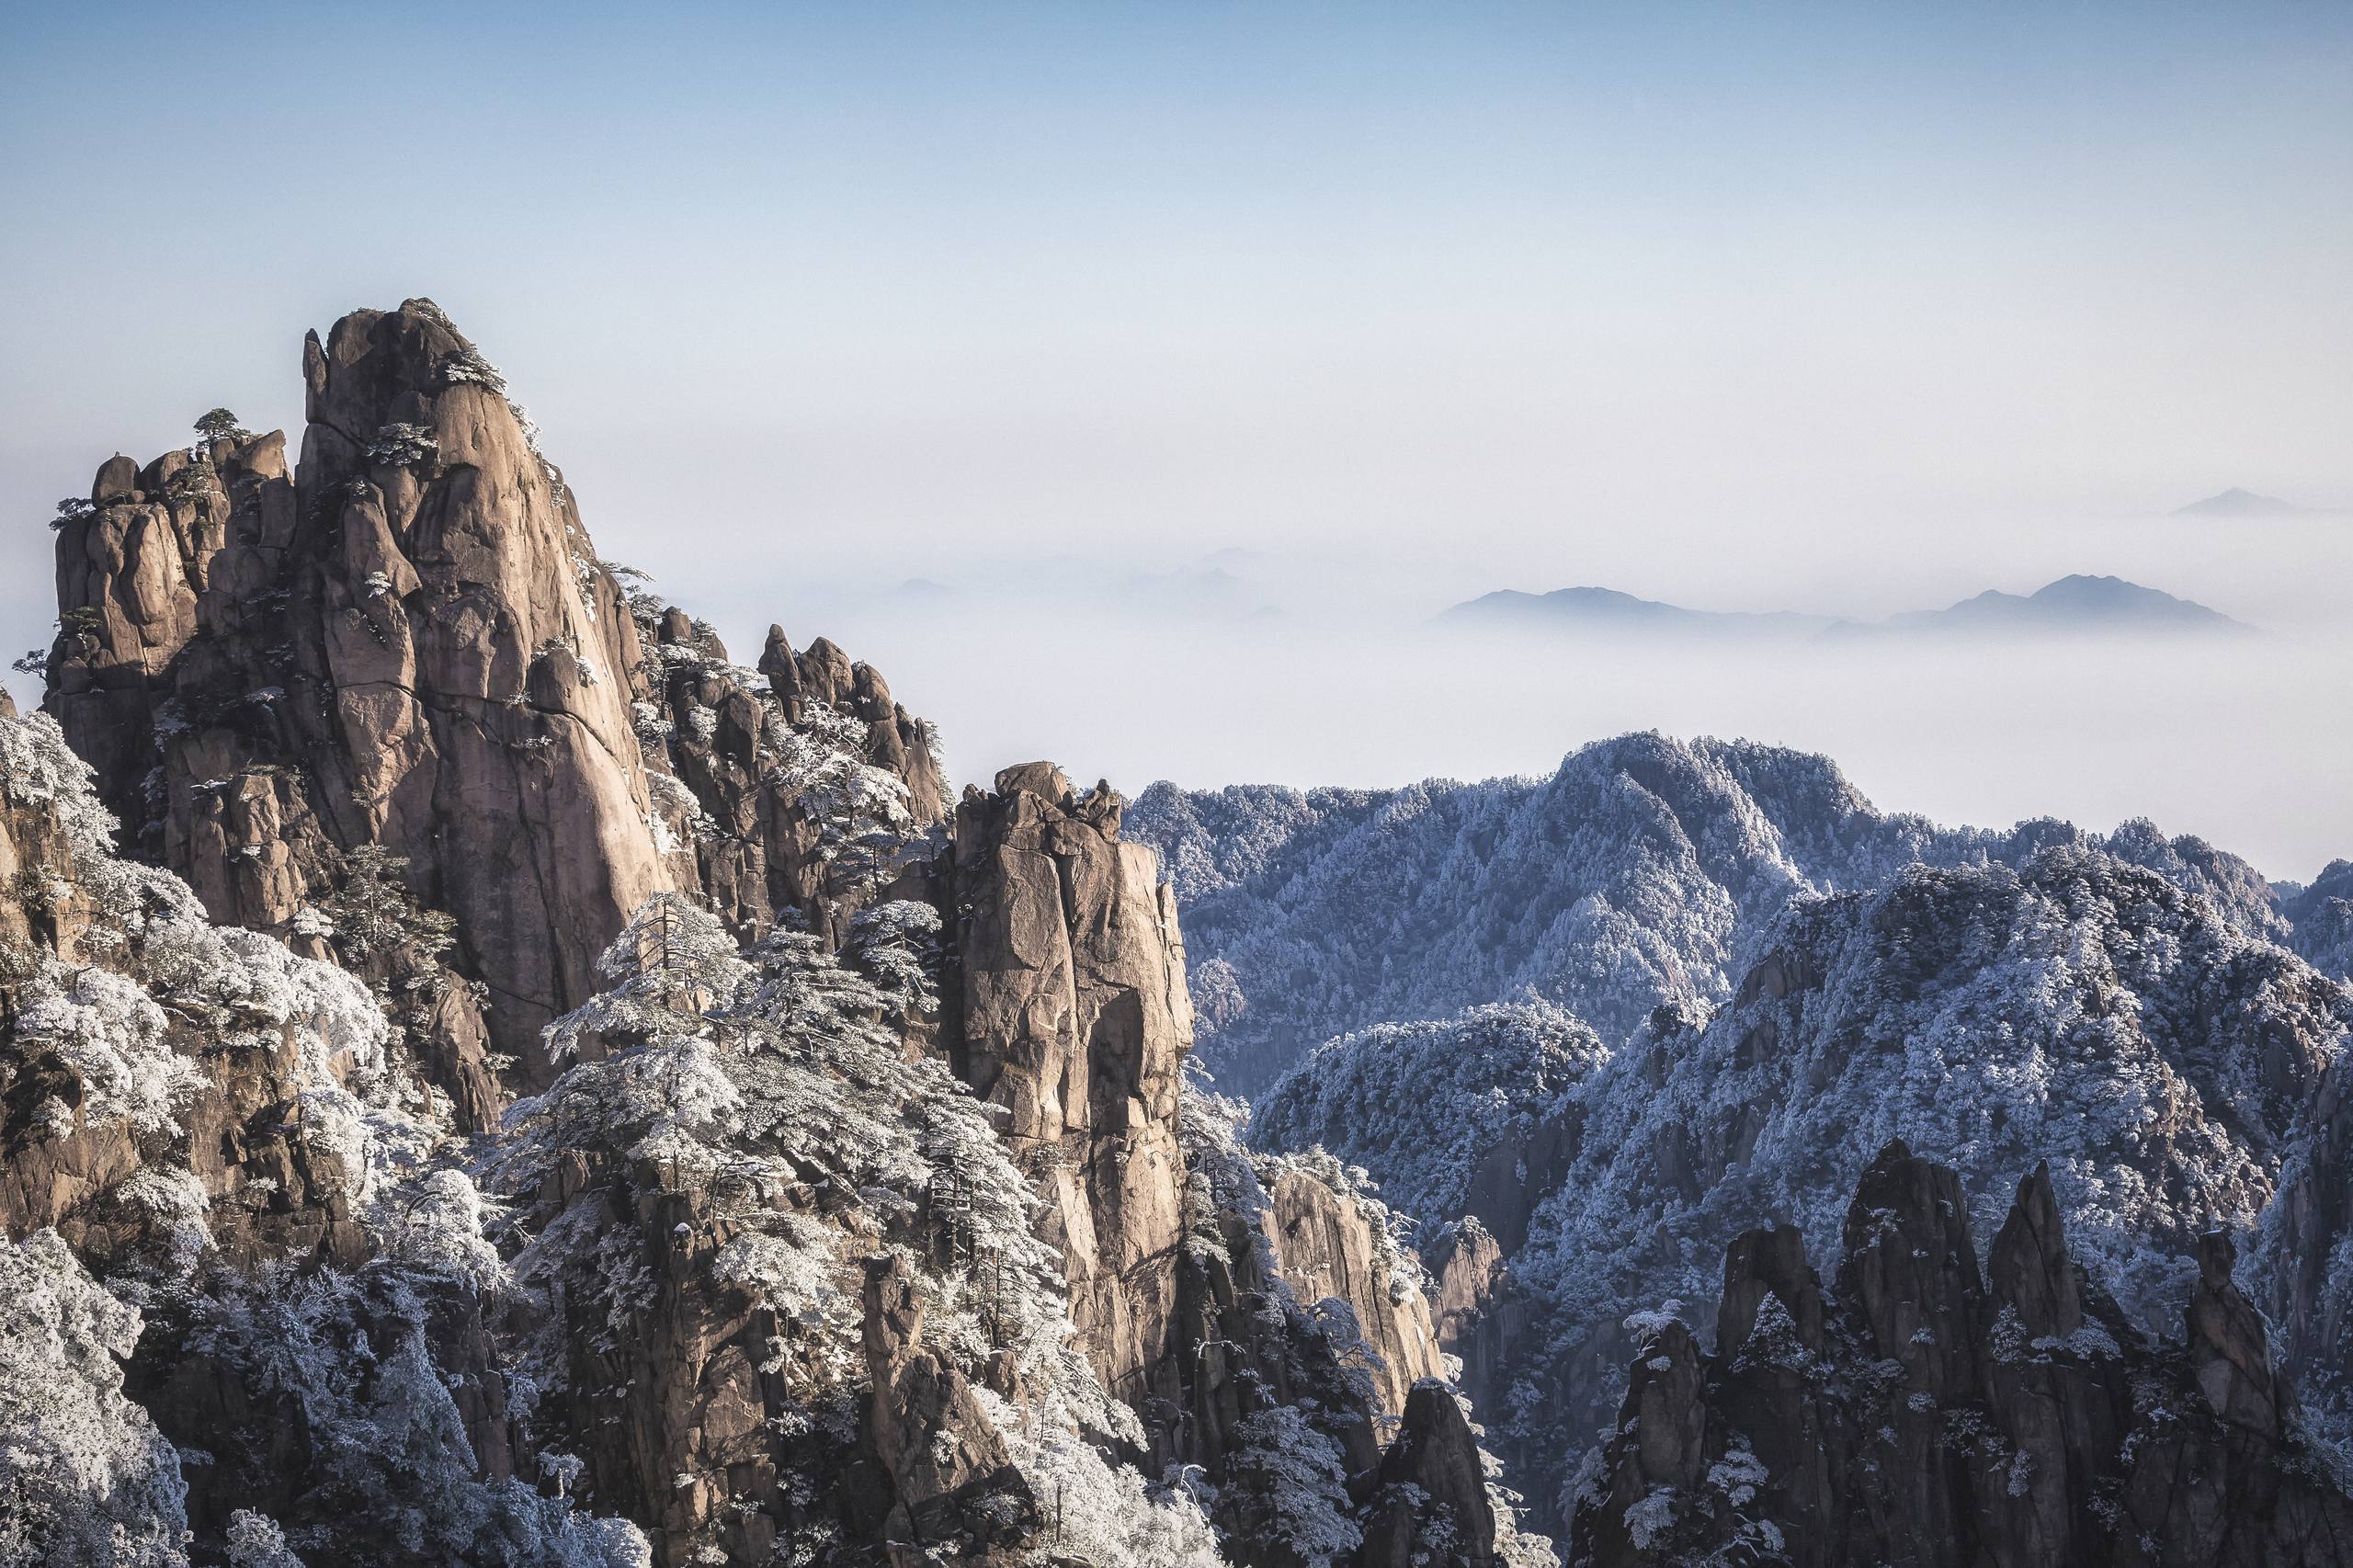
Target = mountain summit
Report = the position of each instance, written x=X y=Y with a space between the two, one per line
x=2074 y=604
x=1589 y=608
x=2237 y=503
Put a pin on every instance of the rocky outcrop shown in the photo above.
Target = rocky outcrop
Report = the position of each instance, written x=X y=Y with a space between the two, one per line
x=955 y=1490
x=803 y=785
x=1073 y=1020
x=1927 y=1412
x=764 y=1279
x=1327 y=1246
x=1467 y=1264
x=894 y=741
x=1433 y=1506
x=410 y=645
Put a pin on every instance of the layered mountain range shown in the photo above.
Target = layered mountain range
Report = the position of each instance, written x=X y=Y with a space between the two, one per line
x=2078 y=604
x=486 y=1078
x=1603 y=1025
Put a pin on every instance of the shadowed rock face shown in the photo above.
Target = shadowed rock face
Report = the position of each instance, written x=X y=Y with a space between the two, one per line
x=2305 y=1291
x=1074 y=1019
x=410 y=644
x=1325 y=1249
x=1930 y=1414
x=1433 y=1503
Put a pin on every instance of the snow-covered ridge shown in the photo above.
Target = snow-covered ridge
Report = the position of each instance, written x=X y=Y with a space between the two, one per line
x=1633 y=878
x=2171 y=1068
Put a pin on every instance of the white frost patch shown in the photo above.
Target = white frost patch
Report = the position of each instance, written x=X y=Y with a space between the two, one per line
x=1649 y=1521
x=86 y=1476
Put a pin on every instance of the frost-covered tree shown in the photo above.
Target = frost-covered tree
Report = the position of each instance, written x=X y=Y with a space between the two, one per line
x=255 y=1541
x=862 y=814
x=373 y=916
x=342 y=1357
x=1291 y=1483
x=1426 y=1106
x=84 y=1476
x=773 y=1088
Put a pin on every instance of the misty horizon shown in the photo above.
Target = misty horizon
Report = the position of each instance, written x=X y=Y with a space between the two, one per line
x=1198 y=366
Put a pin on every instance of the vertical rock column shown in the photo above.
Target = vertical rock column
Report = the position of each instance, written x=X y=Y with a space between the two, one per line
x=1075 y=1021
x=409 y=645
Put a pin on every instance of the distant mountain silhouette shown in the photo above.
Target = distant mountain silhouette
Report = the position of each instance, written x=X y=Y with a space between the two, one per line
x=2237 y=503
x=2077 y=604
x=2072 y=605
x=1607 y=609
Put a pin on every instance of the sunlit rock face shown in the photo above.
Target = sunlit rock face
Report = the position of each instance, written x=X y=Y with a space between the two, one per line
x=1074 y=1019
x=407 y=643
x=624 y=1114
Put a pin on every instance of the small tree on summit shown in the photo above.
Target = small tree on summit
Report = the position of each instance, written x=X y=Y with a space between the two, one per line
x=220 y=423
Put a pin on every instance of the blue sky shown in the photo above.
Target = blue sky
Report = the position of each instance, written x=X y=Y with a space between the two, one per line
x=1843 y=307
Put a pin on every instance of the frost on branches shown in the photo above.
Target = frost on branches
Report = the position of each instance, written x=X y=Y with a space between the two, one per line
x=38 y=769
x=84 y=1476
x=344 y=1420
x=345 y=1359
x=861 y=812
x=769 y=1088
x=1424 y=1106
x=2078 y=1009
x=1633 y=878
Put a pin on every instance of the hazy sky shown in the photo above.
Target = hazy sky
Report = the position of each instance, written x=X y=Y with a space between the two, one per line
x=1843 y=307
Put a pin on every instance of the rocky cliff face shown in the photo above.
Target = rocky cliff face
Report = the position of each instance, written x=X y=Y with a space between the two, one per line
x=408 y=645
x=1924 y=1411
x=403 y=665
x=1331 y=1244
x=845 y=1213
x=2302 y=1255
x=1073 y=1020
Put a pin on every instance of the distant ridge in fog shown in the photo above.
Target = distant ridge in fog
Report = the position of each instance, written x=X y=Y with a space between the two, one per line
x=2072 y=605
x=2237 y=503
x=1605 y=609
x=2077 y=604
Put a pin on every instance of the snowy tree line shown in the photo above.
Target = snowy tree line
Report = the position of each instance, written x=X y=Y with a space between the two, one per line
x=1633 y=878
